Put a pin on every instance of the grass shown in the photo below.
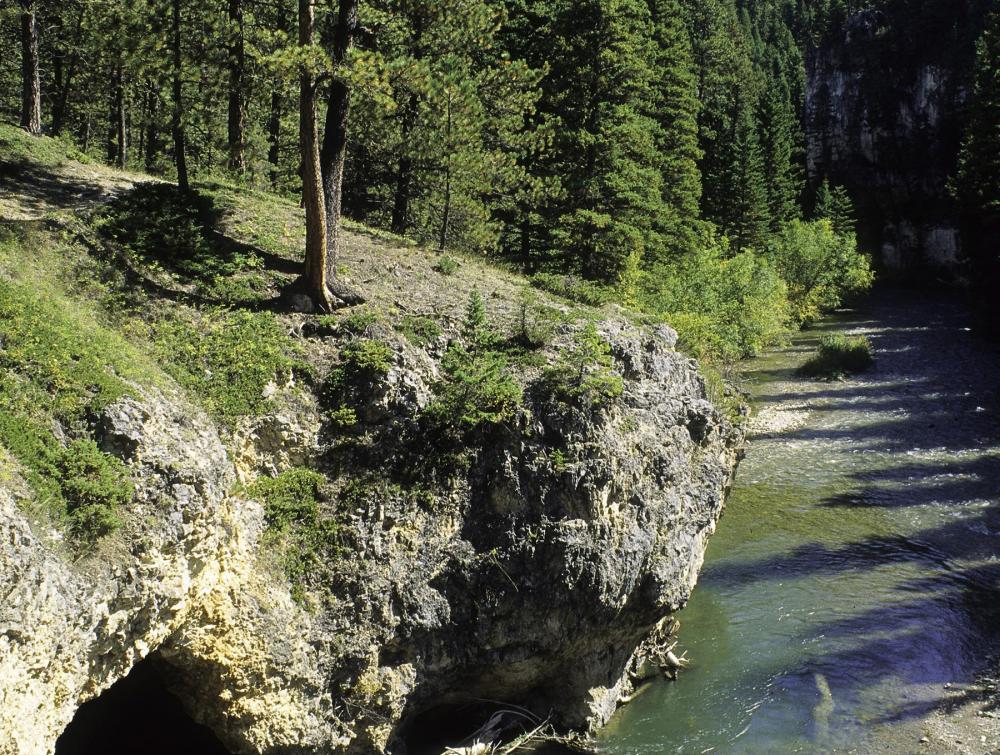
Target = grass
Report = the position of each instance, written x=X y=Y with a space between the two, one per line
x=17 y=146
x=839 y=355
x=60 y=366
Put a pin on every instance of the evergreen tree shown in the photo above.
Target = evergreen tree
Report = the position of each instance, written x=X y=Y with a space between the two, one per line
x=978 y=181
x=676 y=112
x=782 y=176
x=834 y=204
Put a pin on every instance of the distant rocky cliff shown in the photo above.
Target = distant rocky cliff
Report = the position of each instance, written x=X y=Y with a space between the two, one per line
x=883 y=118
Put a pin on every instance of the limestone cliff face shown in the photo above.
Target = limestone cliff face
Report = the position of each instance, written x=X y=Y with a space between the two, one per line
x=883 y=118
x=531 y=578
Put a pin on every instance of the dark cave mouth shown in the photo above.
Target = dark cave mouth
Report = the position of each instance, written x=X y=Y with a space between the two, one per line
x=454 y=724
x=137 y=714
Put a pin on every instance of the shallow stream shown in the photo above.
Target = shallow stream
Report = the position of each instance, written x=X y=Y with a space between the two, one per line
x=854 y=582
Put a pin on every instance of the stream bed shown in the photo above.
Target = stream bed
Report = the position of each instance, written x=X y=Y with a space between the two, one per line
x=852 y=591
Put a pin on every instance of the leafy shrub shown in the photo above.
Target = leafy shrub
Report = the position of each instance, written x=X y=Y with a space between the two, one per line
x=476 y=390
x=536 y=323
x=173 y=230
x=362 y=362
x=419 y=330
x=227 y=359
x=573 y=288
x=293 y=517
x=585 y=373
x=820 y=266
x=723 y=307
x=446 y=265
x=358 y=322
x=94 y=487
x=839 y=355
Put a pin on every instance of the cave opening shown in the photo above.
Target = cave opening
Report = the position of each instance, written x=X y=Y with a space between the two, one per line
x=432 y=731
x=137 y=716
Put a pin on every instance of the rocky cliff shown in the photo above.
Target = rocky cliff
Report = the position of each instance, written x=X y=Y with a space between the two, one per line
x=527 y=575
x=883 y=118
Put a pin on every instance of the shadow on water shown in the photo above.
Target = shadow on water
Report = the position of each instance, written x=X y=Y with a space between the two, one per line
x=857 y=570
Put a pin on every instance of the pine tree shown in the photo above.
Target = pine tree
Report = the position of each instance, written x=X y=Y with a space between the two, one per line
x=777 y=141
x=835 y=204
x=676 y=112
x=978 y=181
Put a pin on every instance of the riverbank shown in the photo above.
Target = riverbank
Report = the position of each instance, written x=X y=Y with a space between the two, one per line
x=849 y=601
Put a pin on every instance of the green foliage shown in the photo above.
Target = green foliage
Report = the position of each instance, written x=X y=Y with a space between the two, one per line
x=573 y=288
x=356 y=323
x=476 y=389
x=820 y=266
x=723 y=307
x=536 y=322
x=419 y=330
x=584 y=373
x=227 y=359
x=446 y=265
x=306 y=536
x=362 y=362
x=836 y=206
x=168 y=230
x=839 y=355
x=94 y=486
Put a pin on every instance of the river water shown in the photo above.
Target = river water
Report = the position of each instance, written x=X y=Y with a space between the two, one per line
x=856 y=571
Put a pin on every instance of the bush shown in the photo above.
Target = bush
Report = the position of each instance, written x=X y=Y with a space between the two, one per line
x=838 y=356
x=293 y=517
x=476 y=388
x=419 y=330
x=820 y=266
x=584 y=373
x=363 y=361
x=723 y=307
x=446 y=265
x=573 y=288
x=94 y=487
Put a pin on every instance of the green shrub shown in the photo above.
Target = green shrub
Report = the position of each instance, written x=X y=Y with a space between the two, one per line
x=227 y=359
x=839 y=355
x=573 y=288
x=419 y=330
x=292 y=512
x=95 y=486
x=820 y=266
x=584 y=373
x=176 y=231
x=536 y=323
x=446 y=265
x=358 y=322
x=723 y=307
x=476 y=388
x=363 y=361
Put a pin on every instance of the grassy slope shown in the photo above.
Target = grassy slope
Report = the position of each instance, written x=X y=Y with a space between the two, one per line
x=89 y=305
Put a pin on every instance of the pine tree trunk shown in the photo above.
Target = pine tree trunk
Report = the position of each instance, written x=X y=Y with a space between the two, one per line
x=117 y=138
x=334 y=151
x=237 y=101
x=31 y=87
x=177 y=124
x=64 y=73
x=404 y=176
x=315 y=277
x=274 y=134
x=152 y=139
x=446 y=215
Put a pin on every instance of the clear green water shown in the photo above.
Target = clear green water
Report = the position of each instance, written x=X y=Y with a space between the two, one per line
x=857 y=568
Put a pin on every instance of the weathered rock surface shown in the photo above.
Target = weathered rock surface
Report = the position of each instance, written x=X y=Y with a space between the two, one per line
x=530 y=577
x=884 y=103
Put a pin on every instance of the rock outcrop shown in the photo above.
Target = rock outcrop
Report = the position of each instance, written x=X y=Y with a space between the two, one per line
x=884 y=102
x=529 y=576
